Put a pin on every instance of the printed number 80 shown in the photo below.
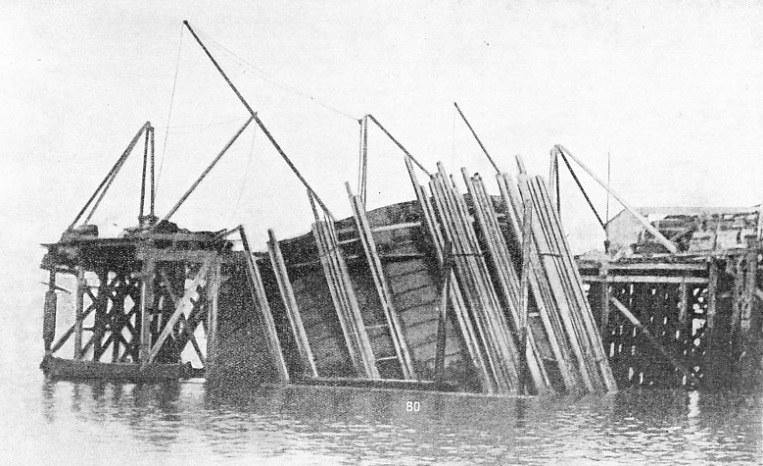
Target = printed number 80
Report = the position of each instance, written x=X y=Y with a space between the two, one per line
x=413 y=406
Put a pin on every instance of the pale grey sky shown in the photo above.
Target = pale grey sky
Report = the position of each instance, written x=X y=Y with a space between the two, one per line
x=672 y=89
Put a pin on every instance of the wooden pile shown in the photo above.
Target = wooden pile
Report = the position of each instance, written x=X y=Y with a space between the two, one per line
x=393 y=324
x=468 y=331
x=345 y=302
x=507 y=281
x=563 y=348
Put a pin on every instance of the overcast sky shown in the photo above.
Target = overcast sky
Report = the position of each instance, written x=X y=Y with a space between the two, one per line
x=671 y=89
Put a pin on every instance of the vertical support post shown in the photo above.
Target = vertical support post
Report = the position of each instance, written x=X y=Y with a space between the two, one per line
x=79 y=299
x=153 y=177
x=604 y=294
x=736 y=267
x=143 y=175
x=146 y=309
x=49 y=318
x=684 y=324
x=683 y=310
x=101 y=315
x=750 y=271
x=712 y=291
x=746 y=346
x=213 y=310
x=117 y=310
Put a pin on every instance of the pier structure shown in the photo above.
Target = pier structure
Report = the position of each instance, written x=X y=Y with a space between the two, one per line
x=680 y=320
x=677 y=292
x=139 y=305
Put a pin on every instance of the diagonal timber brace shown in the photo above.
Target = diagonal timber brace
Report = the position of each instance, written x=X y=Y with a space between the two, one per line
x=184 y=304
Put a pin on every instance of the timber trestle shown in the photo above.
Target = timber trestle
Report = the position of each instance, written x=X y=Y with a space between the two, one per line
x=691 y=320
x=138 y=305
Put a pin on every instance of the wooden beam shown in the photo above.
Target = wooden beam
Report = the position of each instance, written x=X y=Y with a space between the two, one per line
x=85 y=348
x=260 y=300
x=506 y=280
x=186 y=325
x=712 y=292
x=213 y=309
x=683 y=310
x=205 y=172
x=643 y=279
x=101 y=317
x=106 y=183
x=49 y=312
x=648 y=226
x=290 y=304
x=382 y=287
x=146 y=309
x=552 y=274
x=68 y=333
x=523 y=294
x=584 y=315
x=439 y=364
x=540 y=289
x=552 y=168
x=182 y=306
x=345 y=302
x=643 y=266
x=490 y=322
x=468 y=332
x=78 y=311
x=164 y=255
x=604 y=329
x=749 y=287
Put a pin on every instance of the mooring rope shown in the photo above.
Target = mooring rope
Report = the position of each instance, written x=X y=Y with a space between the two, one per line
x=246 y=174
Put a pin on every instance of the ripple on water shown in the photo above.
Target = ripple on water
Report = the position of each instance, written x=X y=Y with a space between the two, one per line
x=182 y=423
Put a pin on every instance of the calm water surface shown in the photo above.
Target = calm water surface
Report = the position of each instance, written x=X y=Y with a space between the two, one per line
x=67 y=423
x=183 y=423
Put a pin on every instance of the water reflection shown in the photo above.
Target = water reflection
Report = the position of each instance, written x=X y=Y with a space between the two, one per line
x=307 y=425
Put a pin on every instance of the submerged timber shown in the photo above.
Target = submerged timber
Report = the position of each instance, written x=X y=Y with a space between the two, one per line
x=452 y=291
